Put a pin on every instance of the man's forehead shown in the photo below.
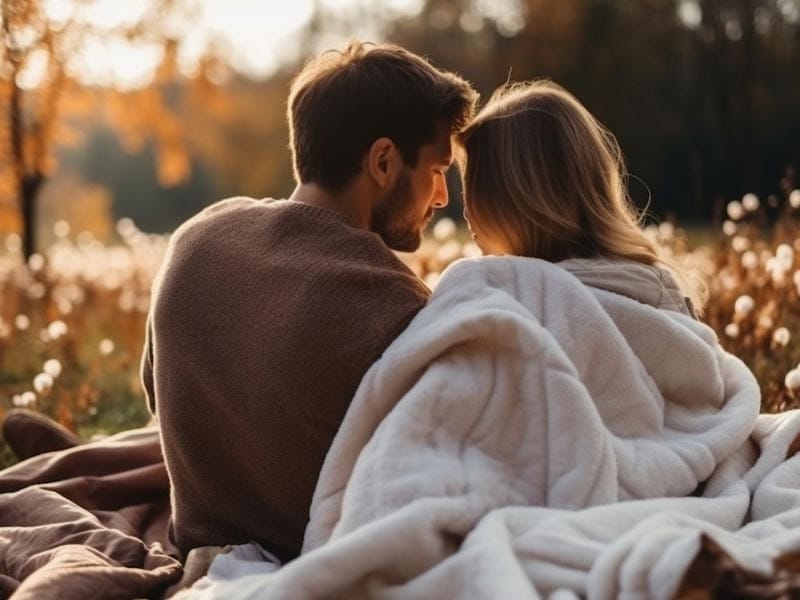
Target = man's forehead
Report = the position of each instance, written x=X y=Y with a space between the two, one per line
x=443 y=149
x=440 y=149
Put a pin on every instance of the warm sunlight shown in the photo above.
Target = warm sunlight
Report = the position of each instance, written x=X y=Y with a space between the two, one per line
x=255 y=35
x=258 y=341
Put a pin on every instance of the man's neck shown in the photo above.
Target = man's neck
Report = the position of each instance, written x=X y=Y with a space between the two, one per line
x=345 y=204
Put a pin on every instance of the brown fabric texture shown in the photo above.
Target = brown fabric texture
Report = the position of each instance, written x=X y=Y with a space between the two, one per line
x=88 y=522
x=265 y=317
x=29 y=433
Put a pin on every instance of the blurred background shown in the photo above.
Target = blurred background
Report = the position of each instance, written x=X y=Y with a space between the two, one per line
x=151 y=109
x=121 y=118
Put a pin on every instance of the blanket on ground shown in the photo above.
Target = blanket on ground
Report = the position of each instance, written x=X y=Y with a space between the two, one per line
x=547 y=430
x=92 y=522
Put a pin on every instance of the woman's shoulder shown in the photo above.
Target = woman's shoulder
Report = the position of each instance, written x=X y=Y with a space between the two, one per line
x=649 y=284
x=513 y=277
x=502 y=269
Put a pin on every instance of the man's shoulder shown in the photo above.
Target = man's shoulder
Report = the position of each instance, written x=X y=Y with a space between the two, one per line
x=397 y=281
x=220 y=212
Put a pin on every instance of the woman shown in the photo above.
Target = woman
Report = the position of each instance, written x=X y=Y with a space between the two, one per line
x=542 y=178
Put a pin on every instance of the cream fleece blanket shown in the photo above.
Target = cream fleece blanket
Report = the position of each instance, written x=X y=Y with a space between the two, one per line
x=541 y=430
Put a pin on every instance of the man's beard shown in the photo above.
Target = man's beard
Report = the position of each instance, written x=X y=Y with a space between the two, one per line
x=393 y=217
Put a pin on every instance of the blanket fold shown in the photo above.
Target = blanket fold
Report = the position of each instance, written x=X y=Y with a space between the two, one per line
x=88 y=522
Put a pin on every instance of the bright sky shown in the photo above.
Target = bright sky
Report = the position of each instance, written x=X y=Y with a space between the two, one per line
x=256 y=35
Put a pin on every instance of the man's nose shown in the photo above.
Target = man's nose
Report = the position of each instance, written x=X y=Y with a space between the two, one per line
x=440 y=195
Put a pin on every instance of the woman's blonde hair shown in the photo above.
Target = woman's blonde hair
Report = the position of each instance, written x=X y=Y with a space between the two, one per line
x=543 y=178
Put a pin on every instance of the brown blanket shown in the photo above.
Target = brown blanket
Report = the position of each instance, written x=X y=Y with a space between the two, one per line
x=91 y=522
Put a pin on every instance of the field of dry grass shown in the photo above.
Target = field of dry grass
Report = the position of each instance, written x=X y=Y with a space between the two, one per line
x=72 y=319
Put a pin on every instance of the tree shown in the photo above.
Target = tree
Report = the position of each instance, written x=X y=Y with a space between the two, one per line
x=42 y=89
x=702 y=94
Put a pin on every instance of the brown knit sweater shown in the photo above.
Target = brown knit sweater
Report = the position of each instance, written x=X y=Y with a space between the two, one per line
x=265 y=317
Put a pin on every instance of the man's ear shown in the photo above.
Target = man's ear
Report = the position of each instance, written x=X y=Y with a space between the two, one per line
x=383 y=162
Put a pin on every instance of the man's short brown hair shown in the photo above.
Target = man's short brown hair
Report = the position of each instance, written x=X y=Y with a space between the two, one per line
x=342 y=101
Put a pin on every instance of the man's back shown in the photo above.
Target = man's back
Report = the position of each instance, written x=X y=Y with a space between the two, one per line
x=265 y=317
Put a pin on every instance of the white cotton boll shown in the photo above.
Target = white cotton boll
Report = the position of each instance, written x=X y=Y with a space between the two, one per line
x=794 y=199
x=106 y=347
x=22 y=322
x=749 y=260
x=61 y=229
x=729 y=228
x=781 y=336
x=56 y=329
x=744 y=305
x=36 y=262
x=52 y=367
x=444 y=229
x=750 y=202
x=43 y=383
x=125 y=227
x=735 y=210
x=740 y=243
x=785 y=251
x=779 y=275
x=792 y=379
x=24 y=400
x=785 y=256
x=732 y=330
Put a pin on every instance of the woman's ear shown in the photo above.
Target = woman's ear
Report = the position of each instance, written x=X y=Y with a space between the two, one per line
x=383 y=162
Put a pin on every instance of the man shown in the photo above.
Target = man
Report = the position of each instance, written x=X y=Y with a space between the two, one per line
x=267 y=314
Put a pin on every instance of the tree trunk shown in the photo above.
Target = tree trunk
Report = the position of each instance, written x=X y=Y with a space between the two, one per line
x=29 y=191
x=748 y=84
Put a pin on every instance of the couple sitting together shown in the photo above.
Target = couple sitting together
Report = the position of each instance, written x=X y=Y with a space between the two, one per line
x=501 y=437
x=267 y=314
